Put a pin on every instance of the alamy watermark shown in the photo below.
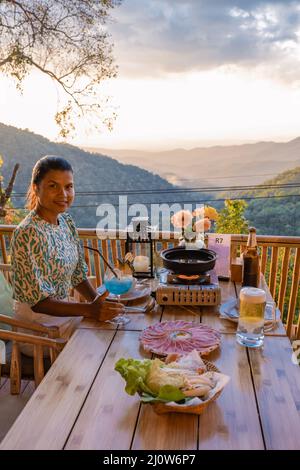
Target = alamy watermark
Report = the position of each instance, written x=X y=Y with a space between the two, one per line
x=118 y=217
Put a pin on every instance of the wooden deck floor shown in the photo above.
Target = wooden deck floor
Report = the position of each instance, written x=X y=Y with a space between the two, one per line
x=12 y=405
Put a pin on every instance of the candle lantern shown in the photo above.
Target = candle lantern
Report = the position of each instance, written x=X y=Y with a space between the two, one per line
x=139 y=242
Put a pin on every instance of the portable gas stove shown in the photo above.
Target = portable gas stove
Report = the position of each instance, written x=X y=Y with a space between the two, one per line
x=189 y=278
x=180 y=289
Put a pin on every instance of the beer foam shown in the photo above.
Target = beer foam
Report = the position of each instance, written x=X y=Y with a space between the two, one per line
x=252 y=295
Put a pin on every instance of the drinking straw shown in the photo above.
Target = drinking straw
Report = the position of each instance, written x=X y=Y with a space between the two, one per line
x=104 y=259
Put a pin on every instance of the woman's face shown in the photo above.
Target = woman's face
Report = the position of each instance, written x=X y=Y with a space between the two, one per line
x=56 y=191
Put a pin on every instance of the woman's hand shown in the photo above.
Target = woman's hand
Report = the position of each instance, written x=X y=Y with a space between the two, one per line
x=102 y=309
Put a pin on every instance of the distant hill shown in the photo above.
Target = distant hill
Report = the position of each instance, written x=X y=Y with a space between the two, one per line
x=275 y=214
x=218 y=165
x=92 y=172
x=270 y=215
x=96 y=172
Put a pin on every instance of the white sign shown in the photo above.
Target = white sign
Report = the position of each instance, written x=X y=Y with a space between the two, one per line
x=221 y=243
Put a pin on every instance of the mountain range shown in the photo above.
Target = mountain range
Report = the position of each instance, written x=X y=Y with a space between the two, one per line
x=98 y=178
x=215 y=166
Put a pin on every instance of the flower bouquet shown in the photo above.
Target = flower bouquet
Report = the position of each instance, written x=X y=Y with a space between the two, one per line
x=193 y=225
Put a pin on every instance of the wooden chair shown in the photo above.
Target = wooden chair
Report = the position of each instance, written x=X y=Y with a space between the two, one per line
x=19 y=365
x=6 y=270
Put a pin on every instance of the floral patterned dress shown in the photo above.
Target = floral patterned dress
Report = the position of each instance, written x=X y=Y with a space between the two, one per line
x=47 y=260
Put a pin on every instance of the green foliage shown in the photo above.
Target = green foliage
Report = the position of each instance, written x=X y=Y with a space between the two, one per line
x=277 y=215
x=13 y=216
x=231 y=218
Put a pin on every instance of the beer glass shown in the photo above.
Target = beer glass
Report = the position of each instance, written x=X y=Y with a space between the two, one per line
x=250 y=331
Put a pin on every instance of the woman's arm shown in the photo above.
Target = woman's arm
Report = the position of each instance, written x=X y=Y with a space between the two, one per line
x=98 y=309
x=87 y=290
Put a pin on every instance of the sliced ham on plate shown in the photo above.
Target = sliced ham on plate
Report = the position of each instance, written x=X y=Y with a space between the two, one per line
x=180 y=337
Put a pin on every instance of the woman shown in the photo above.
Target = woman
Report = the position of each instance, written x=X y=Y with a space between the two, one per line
x=46 y=256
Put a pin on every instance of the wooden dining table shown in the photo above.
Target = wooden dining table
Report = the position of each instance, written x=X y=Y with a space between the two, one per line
x=81 y=403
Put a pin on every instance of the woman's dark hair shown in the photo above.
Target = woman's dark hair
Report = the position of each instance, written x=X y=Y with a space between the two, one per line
x=40 y=169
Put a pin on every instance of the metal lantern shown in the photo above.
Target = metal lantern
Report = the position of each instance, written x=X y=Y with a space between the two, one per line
x=140 y=244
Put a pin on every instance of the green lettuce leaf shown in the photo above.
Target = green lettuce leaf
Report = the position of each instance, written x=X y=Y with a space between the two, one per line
x=135 y=374
x=170 y=393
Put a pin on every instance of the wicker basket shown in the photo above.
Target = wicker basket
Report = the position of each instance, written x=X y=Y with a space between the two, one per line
x=197 y=409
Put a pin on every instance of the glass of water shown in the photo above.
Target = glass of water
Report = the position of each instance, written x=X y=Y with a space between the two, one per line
x=250 y=331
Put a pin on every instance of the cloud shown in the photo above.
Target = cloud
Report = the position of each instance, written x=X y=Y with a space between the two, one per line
x=158 y=37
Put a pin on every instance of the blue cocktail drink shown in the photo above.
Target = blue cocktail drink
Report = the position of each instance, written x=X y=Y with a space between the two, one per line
x=118 y=286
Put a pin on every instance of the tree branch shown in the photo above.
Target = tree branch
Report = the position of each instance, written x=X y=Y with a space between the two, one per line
x=54 y=77
x=65 y=41
x=5 y=195
x=6 y=60
x=10 y=186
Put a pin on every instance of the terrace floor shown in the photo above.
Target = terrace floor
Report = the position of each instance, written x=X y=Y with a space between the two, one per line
x=12 y=405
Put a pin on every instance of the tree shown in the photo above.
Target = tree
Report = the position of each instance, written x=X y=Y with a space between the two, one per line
x=66 y=40
x=231 y=219
x=7 y=213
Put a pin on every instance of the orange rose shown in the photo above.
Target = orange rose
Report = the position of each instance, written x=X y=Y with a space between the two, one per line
x=202 y=225
x=207 y=211
x=210 y=213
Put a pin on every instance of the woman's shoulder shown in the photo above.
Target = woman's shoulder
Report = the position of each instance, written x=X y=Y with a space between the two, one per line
x=28 y=227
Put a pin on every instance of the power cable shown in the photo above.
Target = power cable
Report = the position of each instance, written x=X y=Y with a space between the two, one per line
x=181 y=202
x=180 y=190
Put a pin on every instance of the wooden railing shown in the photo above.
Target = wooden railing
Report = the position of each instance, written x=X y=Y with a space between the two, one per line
x=280 y=263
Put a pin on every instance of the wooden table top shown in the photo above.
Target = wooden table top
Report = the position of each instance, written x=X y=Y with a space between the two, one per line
x=81 y=403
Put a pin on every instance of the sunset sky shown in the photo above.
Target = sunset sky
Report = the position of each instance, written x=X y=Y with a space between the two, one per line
x=191 y=73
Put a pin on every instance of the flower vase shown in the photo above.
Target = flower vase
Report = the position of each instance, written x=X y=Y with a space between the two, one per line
x=192 y=240
x=195 y=245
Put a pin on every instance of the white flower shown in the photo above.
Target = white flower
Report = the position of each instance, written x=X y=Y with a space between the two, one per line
x=182 y=219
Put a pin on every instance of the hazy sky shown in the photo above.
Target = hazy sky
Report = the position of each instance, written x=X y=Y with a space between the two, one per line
x=191 y=72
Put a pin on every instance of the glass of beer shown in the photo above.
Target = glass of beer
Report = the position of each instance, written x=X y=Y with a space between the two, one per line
x=250 y=331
